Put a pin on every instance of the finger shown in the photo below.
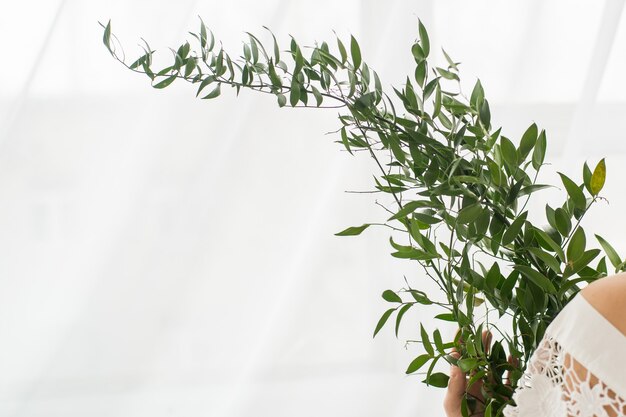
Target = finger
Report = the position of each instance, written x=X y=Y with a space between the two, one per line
x=515 y=363
x=475 y=390
x=487 y=337
x=456 y=384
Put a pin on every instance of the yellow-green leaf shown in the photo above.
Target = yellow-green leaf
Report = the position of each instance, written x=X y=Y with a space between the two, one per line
x=598 y=177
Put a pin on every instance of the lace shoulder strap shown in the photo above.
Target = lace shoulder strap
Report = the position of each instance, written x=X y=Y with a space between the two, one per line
x=576 y=370
x=590 y=338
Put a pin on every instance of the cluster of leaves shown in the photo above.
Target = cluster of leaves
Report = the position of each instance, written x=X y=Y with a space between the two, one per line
x=457 y=185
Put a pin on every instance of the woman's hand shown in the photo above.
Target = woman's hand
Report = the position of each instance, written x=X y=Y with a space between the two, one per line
x=457 y=386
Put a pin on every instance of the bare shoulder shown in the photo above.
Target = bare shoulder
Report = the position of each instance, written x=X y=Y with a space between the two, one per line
x=608 y=296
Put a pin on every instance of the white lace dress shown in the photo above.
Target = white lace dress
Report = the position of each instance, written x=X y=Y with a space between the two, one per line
x=578 y=370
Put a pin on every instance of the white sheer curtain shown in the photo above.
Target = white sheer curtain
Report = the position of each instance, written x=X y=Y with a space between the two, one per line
x=166 y=256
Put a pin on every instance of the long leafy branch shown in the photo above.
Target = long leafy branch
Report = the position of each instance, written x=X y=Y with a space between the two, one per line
x=449 y=167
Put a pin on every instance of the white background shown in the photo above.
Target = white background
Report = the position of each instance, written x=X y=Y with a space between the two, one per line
x=166 y=256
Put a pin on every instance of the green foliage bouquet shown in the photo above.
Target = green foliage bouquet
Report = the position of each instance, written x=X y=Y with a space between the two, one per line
x=459 y=190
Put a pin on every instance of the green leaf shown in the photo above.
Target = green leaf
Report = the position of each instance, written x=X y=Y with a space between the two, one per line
x=438 y=380
x=298 y=59
x=536 y=277
x=219 y=64
x=476 y=376
x=216 y=92
x=424 y=38
x=377 y=85
x=448 y=75
x=507 y=286
x=164 y=83
x=547 y=259
x=416 y=254
x=563 y=221
x=587 y=177
x=610 y=252
x=437 y=106
x=529 y=189
x=469 y=214
x=344 y=140
x=355 y=51
x=494 y=276
x=394 y=144
x=366 y=100
x=391 y=296
x=208 y=80
x=189 y=67
x=482 y=222
x=602 y=266
x=383 y=320
x=426 y=218
x=274 y=77
x=403 y=310
x=514 y=191
x=581 y=262
x=138 y=62
x=450 y=62
x=203 y=34
x=426 y=341
x=446 y=317
x=509 y=153
x=420 y=73
x=576 y=245
x=418 y=52
x=467 y=364
x=255 y=50
x=420 y=297
x=575 y=193
x=485 y=114
x=539 y=152
x=317 y=95
x=526 y=332
x=276 y=49
x=478 y=95
x=488 y=410
x=438 y=341
x=342 y=51
x=417 y=363
x=211 y=42
x=407 y=209
x=282 y=100
x=353 y=231
x=106 y=37
x=598 y=178
x=495 y=173
x=470 y=179
x=528 y=141
x=513 y=230
x=551 y=243
x=294 y=94
x=164 y=71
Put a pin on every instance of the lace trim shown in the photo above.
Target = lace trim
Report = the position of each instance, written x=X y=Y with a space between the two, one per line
x=556 y=385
